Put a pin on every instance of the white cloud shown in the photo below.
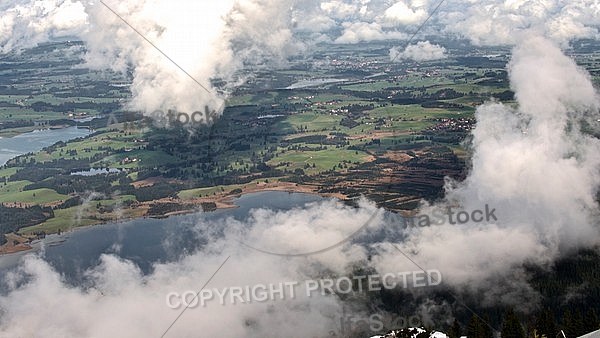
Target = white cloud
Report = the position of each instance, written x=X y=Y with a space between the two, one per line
x=403 y=14
x=362 y=31
x=28 y=23
x=421 y=51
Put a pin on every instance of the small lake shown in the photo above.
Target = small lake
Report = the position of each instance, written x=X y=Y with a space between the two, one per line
x=96 y=171
x=12 y=147
x=313 y=83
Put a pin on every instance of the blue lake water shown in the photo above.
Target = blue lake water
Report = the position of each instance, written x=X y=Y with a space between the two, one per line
x=143 y=240
x=11 y=147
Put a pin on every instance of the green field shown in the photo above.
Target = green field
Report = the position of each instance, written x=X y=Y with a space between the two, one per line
x=309 y=121
x=64 y=219
x=37 y=196
x=322 y=159
x=12 y=187
x=7 y=172
x=206 y=192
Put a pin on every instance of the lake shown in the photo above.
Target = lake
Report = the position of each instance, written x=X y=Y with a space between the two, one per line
x=96 y=171
x=313 y=83
x=12 y=147
x=142 y=241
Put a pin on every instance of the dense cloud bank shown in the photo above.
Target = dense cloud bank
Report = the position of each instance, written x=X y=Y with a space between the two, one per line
x=215 y=39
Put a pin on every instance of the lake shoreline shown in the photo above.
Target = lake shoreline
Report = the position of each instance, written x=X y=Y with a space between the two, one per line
x=222 y=201
x=13 y=132
x=14 y=144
